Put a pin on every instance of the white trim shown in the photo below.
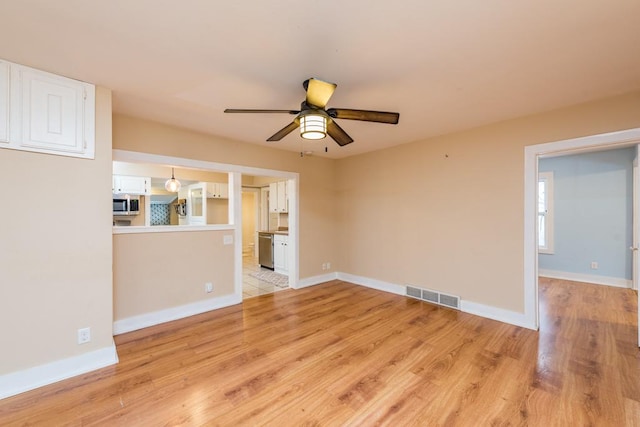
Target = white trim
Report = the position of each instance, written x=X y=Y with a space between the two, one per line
x=174 y=313
x=619 y=139
x=293 y=240
x=140 y=229
x=315 y=280
x=373 y=283
x=549 y=220
x=496 y=313
x=39 y=376
x=235 y=216
x=617 y=282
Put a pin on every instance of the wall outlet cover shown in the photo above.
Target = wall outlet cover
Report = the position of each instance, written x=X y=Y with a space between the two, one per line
x=84 y=335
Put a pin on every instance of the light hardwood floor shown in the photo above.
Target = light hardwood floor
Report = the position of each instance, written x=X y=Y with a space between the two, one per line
x=340 y=354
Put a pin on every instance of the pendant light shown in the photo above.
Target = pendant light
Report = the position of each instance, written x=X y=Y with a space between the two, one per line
x=172 y=185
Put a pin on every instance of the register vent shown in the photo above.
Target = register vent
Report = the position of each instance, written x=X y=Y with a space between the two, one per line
x=434 y=297
x=450 y=301
x=414 y=292
x=430 y=296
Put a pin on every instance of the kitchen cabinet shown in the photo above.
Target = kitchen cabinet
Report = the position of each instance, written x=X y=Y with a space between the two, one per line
x=46 y=113
x=279 y=197
x=123 y=184
x=281 y=254
x=217 y=190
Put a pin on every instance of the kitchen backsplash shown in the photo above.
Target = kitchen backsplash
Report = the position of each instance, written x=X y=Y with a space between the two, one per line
x=160 y=214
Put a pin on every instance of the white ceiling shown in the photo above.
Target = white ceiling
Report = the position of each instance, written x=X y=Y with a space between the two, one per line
x=443 y=65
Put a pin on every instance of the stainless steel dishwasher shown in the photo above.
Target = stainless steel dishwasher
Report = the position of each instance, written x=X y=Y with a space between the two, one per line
x=265 y=250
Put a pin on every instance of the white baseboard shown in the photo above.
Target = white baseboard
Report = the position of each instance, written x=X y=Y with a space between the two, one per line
x=174 y=313
x=487 y=311
x=586 y=278
x=496 y=313
x=38 y=376
x=316 y=280
x=373 y=283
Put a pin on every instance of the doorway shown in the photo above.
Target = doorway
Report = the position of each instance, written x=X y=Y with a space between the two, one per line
x=532 y=154
x=264 y=229
x=585 y=212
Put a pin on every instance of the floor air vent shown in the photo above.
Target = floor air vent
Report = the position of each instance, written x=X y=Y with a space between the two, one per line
x=434 y=297
x=414 y=292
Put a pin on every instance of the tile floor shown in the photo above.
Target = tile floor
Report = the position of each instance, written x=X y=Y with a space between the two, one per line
x=252 y=287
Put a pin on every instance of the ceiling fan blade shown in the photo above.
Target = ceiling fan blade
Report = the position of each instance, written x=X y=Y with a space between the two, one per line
x=338 y=134
x=318 y=92
x=240 y=110
x=364 y=115
x=284 y=131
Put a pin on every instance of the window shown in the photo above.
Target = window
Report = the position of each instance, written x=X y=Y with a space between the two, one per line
x=545 y=212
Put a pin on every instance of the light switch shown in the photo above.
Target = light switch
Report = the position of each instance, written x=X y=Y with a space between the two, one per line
x=227 y=239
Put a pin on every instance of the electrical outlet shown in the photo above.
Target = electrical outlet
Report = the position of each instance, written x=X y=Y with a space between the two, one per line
x=324 y=266
x=208 y=287
x=84 y=335
x=594 y=265
x=328 y=266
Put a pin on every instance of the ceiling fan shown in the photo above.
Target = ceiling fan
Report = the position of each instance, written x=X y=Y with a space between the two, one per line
x=316 y=121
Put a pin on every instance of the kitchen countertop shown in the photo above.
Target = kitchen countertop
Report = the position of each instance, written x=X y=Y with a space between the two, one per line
x=280 y=232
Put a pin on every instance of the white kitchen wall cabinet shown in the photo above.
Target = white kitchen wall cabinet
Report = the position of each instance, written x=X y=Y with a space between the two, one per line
x=46 y=113
x=281 y=253
x=279 y=197
x=217 y=190
x=123 y=184
x=4 y=103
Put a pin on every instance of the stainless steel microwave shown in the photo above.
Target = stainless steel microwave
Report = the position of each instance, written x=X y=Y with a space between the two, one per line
x=126 y=205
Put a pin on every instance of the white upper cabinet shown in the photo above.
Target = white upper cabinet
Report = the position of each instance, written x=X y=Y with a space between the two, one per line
x=46 y=113
x=123 y=184
x=279 y=197
x=217 y=190
x=4 y=103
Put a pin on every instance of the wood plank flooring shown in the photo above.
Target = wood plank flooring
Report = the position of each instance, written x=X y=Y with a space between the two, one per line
x=339 y=354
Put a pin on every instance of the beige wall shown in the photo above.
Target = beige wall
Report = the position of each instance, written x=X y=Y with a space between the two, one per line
x=157 y=271
x=217 y=211
x=318 y=230
x=55 y=251
x=159 y=171
x=249 y=203
x=447 y=213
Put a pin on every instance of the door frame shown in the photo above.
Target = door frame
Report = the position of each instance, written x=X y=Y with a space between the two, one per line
x=635 y=267
x=532 y=153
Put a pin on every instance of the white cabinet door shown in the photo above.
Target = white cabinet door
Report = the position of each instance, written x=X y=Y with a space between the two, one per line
x=283 y=202
x=55 y=114
x=217 y=190
x=281 y=254
x=139 y=185
x=4 y=102
x=278 y=197
x=273 y=197
x=197 y=204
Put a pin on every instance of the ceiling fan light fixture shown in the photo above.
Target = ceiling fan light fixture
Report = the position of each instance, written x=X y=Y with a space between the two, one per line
x=313 y=126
